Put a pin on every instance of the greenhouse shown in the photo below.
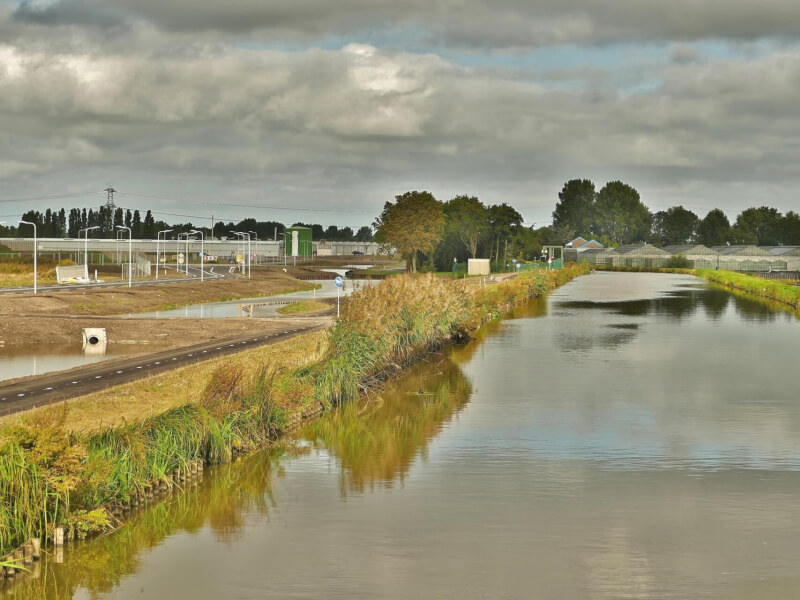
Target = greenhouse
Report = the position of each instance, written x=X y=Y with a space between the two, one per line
x=644 y=256
x=748 y=258
x=699 y=256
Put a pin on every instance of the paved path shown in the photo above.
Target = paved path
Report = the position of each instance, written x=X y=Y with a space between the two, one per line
x=48 y=389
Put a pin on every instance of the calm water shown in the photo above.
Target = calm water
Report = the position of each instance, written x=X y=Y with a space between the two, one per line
x=632 y=436
x=22 y=362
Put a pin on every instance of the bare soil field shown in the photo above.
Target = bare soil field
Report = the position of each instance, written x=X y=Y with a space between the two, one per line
x=58 y=318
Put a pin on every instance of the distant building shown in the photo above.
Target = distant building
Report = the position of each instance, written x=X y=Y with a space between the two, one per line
x=699 y=256
x=578 y=241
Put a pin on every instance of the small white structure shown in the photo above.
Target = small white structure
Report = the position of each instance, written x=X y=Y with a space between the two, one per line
x=94 y=340
x=71 y=273
x=478 y=266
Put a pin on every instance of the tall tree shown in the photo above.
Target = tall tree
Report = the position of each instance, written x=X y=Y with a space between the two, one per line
x=621 y=215
x=149 y=226
x=364 y=234
x=469 y=218
x=136 y=226
x=412 y=224
x=714 y=229
x=760 y=226
x=74 y=222
x=575 y=208
x=790 y=229
x=676 y=225
x=504 y=220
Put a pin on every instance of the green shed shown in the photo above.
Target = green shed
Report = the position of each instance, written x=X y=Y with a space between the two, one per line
x=298 y=241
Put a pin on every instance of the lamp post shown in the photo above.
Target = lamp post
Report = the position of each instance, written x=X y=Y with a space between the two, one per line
x=243 y=234
x=158 y=239
x=35 y=244
x=186 y=255
x=283 y=235
x=256 y=239
x=130 y=255
x=116 y=244
x=86 y=231
x=202 y=253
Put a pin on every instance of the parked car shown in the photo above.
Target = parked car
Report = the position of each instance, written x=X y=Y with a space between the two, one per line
x=357 y=252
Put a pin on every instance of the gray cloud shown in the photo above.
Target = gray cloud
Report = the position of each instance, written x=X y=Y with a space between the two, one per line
x=496 y=24
x=354 y=127
x=159 y=97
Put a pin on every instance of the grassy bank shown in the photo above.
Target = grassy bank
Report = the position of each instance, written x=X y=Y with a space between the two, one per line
x=51 y=474
x=755 y=286
x=777 y=291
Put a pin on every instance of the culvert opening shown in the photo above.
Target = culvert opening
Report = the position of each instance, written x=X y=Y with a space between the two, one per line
x=93 y=339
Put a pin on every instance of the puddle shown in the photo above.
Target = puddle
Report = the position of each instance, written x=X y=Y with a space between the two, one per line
x=23 y=362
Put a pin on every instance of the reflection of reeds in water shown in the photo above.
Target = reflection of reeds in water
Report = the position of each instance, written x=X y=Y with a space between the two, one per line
x=377 y=447
x=220 y=502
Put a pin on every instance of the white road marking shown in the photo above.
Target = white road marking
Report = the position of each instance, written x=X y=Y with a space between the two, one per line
x=20 y=395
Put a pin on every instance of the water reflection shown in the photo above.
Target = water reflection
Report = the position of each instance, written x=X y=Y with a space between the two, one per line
x=375 y=444
x=23 y=361
x=647 y=448
x=218 y=504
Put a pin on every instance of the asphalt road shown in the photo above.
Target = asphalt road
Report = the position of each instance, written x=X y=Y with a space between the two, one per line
x=49 y=389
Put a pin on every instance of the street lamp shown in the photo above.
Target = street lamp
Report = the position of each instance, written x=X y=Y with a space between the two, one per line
x=283 y=235
x=158 y=239
x=86 y=247
x=202 y=253
x=256 y=239
x=186 y=257
x=34 y=251
x=243 y=234
x=130 y=254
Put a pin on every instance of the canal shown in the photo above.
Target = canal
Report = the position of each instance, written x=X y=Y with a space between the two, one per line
x=631 y=436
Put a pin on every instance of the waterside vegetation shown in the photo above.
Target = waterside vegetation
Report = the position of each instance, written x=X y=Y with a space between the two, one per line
x=53 y=476
x=777 y=291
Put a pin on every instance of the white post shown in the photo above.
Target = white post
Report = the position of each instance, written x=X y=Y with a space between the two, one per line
x=337 y=301
x=158 y=237
x=35 y=249
x=130 y=254
x=202 y=252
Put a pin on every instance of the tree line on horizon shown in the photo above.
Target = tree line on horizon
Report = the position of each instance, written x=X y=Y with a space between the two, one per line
x=616 y=215
x=432 y=234
x=62 y=224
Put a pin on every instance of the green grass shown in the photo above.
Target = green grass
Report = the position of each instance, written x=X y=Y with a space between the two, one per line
x=304 y=306
x=777 y=291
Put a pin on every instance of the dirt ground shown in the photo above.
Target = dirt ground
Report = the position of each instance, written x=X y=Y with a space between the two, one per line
x=58 y=318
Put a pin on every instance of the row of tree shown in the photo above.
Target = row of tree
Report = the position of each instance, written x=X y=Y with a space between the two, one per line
x=427 y=231
x=616 y=215
x=60 y=223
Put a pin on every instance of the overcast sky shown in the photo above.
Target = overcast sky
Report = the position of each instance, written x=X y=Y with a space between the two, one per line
x=331 y=108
